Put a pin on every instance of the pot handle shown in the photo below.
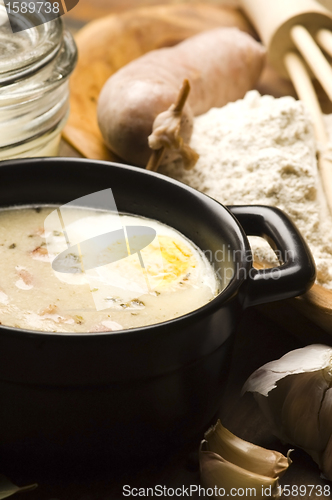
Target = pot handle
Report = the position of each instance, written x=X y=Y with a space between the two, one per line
x=297 y=271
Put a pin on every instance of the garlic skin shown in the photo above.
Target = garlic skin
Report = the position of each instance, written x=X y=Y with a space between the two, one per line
x=230 y=464
x=7 y=488
x=295 y=395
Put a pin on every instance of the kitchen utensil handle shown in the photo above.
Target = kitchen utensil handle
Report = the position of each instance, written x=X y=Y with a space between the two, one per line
x=297 y=271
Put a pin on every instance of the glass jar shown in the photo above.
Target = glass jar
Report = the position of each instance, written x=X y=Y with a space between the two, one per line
x=35 y=66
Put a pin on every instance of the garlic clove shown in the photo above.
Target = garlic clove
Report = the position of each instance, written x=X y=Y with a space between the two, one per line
x=300 y=412
x=325 y=416
x=228 y=479
x=244 y=454
x=325 y=460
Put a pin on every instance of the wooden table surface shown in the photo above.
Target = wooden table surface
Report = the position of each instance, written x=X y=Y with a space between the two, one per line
x=258 y=340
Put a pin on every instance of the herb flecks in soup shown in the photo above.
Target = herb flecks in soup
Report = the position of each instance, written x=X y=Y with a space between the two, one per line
x=176 y=277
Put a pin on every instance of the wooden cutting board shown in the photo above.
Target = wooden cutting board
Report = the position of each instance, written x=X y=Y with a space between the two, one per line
x=107 y=44
x=87 y=10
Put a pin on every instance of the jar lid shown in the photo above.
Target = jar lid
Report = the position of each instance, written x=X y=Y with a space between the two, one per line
x=22 y=53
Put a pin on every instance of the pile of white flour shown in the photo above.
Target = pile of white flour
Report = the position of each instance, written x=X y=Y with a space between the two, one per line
x=262 y=150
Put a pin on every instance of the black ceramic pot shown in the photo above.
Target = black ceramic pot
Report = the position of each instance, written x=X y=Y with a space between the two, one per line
x=139 y=391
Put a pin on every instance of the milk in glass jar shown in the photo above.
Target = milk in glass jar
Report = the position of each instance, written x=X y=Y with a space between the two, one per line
x=35 y=65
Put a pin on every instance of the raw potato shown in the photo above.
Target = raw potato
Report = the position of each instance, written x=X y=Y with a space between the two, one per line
x=221 y=66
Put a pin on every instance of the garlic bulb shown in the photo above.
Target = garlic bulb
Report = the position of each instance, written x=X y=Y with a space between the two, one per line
x=295 y=395
x=231 y=465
